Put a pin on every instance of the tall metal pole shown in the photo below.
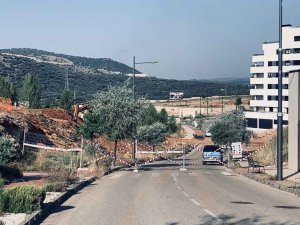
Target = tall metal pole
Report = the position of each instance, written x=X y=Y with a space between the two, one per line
x=133 y=91
x=222 y=102
x=206 y=103
x=200 y=106
x=279 y=111
x=236 y=106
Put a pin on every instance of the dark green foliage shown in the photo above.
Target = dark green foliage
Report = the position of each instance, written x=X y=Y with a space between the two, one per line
x=153 y=134
x=90 y=125
x=7 y=89
x=150 y=116
x=238 y=101
x=10 y=173
x=67 y=100
x=163 y=116
x=52 y=78
x=115 y=114
x=8 y=152
x=22 y=199
x=55 y=187
x=31 y=91
x=230 y=128
x=171 y=125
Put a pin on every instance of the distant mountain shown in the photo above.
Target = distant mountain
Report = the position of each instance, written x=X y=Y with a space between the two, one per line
x=89 y=75
x=230 y=80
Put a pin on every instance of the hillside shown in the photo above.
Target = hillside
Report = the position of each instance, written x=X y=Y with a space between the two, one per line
x=88 y=75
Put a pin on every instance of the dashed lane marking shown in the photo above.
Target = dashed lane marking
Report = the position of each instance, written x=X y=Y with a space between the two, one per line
x=155 y=174
x=227 y=174
x=213 y=215
x=186 y=194
x=195 y=202
x=192 y=174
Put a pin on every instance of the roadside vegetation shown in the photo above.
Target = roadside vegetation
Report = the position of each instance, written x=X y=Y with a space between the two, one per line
x=230 y=128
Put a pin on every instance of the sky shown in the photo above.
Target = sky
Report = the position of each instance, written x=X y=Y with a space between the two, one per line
x=191 y=39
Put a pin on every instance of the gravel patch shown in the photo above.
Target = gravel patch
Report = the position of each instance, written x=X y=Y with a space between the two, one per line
x=13 y=219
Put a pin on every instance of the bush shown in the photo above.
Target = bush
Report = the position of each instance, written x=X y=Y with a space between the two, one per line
x=8 y=150
x=55 y=187
x=10 y=173
x=22 y=199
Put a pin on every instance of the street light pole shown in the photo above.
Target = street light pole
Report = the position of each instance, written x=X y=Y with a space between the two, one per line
x=133 y=91
x=134 y=98
x=279 y=111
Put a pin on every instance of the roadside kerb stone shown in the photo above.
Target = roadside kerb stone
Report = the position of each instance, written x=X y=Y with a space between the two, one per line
x=271 y=183
x=37 y=216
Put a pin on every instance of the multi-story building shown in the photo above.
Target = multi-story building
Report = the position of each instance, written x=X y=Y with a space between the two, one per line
x=264 y=79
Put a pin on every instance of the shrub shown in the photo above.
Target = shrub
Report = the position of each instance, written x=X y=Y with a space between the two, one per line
x=22 y=199
x=10 y=173
x=8 y=150
x=55 y=187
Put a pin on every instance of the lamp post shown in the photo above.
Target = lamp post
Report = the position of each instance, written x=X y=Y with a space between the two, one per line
x=279 y=111
x=133 y=91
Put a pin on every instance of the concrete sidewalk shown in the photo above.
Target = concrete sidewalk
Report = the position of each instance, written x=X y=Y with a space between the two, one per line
x=288 y=174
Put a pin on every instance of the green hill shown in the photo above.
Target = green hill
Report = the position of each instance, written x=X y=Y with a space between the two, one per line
x=88 y=75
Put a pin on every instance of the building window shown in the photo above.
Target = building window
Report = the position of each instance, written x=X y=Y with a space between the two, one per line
x=251 y=122
x=271 y=109
x=257 y=97
x=258 y=64
x=272 y=98
x=265 y=124
x=297 y=38
x=284 y=122
x=257 y=75
x=273 y=63
x=259 y=86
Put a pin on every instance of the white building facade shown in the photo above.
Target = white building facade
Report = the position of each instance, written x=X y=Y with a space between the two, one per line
x=264 y=80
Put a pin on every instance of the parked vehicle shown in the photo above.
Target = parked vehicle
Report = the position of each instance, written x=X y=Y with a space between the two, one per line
x=212 y=154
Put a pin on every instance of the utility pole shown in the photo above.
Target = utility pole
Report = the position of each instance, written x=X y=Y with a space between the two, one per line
x=279 y=111
x=200 y=106
x=222 y=103
x=206 y=103
x=236 y=106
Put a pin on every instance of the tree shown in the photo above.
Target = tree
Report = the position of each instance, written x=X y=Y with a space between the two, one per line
x=115 y=114
x=31 y=92
x=67 y=100
x=172 y=126
x=230 y=128
x=163 y=116
x=153 y=134
x=238 y=102
x=151 y=116
x=7 y=89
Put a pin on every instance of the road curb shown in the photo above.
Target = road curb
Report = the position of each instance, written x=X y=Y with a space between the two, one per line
x=39 y=215
x=271 y=183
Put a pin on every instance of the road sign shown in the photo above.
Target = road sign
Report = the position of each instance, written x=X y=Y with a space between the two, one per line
x=237 y=150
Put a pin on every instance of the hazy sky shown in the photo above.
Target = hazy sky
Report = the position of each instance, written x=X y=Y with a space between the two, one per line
x=191 y=39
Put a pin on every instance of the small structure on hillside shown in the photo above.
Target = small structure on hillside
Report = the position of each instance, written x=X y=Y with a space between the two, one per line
x=176 y=95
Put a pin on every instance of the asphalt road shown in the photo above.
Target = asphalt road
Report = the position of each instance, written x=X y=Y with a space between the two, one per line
x=162 y=194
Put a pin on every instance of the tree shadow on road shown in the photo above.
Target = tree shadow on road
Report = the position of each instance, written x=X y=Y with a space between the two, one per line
x=231 y=220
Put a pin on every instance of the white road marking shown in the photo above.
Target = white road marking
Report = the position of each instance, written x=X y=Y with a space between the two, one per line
x=227 y=174
x=195 y=202
x=155 y=174
x=186 y=194
x=213 y=215
x=174 y=177
x=208 y=173
x=192 y=174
